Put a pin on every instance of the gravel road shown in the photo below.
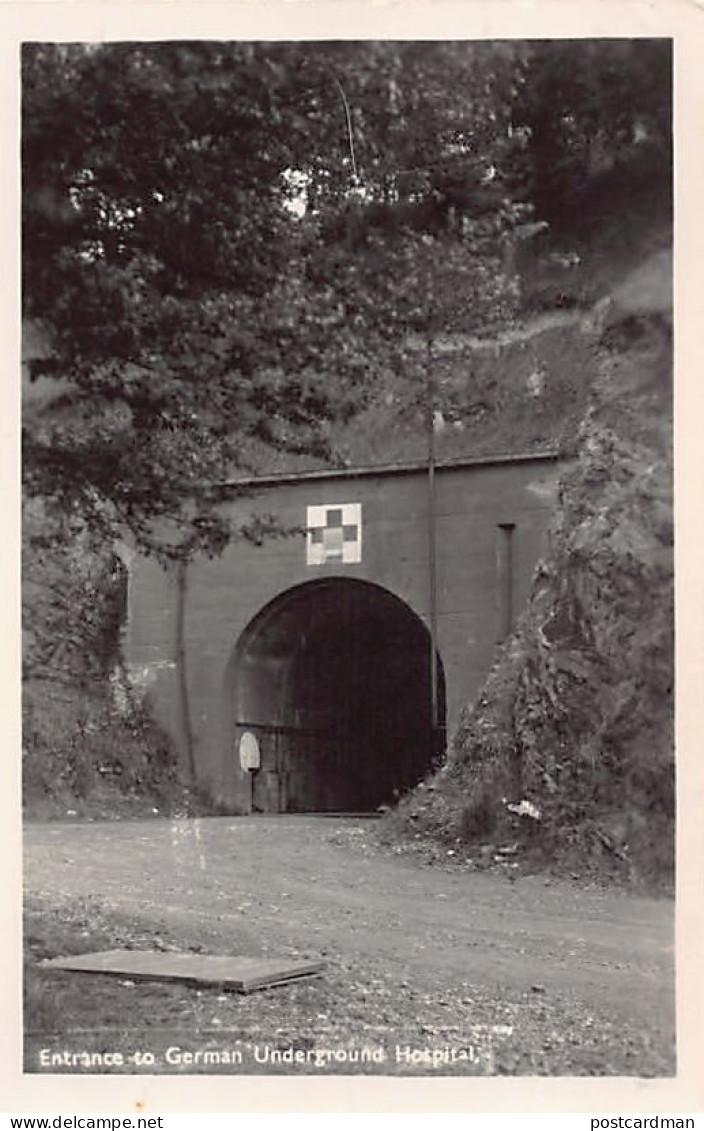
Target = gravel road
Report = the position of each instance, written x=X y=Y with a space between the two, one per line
x=316 y=886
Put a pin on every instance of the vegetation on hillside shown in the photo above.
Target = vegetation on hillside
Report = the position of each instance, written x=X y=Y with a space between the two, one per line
x=243 y=257
x=89 y=744
x=567 y=755
x=229 y=244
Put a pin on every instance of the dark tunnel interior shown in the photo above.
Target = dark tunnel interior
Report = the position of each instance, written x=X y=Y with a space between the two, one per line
x=333 y=678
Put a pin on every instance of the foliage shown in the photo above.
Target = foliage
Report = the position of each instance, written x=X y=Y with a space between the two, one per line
x=228 y=243
x=597 y=116
x=73 y=600
x=186 y=305
x=233 y=251
x=84 y=757
x=80 y=751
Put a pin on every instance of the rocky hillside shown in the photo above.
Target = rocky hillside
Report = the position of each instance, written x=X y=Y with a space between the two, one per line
x=88 y=746
x=574 y=726
x=568 y=753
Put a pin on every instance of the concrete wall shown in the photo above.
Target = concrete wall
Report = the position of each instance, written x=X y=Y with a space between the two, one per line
x=475 y=503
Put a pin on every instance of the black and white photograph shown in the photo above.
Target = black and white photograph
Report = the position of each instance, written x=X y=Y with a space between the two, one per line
x=347 y=551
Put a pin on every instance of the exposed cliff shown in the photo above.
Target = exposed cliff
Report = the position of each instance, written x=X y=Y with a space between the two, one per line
x=575 y=720
x=88 y=745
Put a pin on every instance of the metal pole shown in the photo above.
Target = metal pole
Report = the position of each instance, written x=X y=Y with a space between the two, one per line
x=432 y=546
x=181 y=676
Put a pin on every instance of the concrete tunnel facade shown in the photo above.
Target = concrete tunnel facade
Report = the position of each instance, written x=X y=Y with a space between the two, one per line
x=295 y=675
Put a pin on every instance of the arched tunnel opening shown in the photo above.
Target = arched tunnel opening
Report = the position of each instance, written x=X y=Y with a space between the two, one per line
x=333 y=680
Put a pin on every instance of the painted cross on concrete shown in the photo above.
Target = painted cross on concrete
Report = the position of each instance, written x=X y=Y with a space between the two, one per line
x=334 y=534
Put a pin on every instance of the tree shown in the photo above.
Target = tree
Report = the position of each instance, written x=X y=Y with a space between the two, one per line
x=231 y=247
x=157 y=251
x=596 y=114
x=229 y=243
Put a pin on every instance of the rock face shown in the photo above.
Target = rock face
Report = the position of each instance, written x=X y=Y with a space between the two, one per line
x=87 y=746
x=576 y=717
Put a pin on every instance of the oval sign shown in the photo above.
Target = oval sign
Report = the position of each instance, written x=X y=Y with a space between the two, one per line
x=250 y=757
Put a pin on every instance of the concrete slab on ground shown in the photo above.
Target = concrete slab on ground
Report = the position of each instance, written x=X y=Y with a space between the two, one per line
x=234 y=972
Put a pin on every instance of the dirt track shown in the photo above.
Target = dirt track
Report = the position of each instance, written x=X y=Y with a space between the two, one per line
x=316 y=886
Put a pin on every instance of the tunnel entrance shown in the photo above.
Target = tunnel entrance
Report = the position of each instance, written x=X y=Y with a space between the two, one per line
x=333 y=681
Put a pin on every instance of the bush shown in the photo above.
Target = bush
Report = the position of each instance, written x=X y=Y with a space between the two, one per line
x=82 y=756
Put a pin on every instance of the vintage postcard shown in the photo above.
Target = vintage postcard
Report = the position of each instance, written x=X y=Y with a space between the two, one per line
x=358 y=510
